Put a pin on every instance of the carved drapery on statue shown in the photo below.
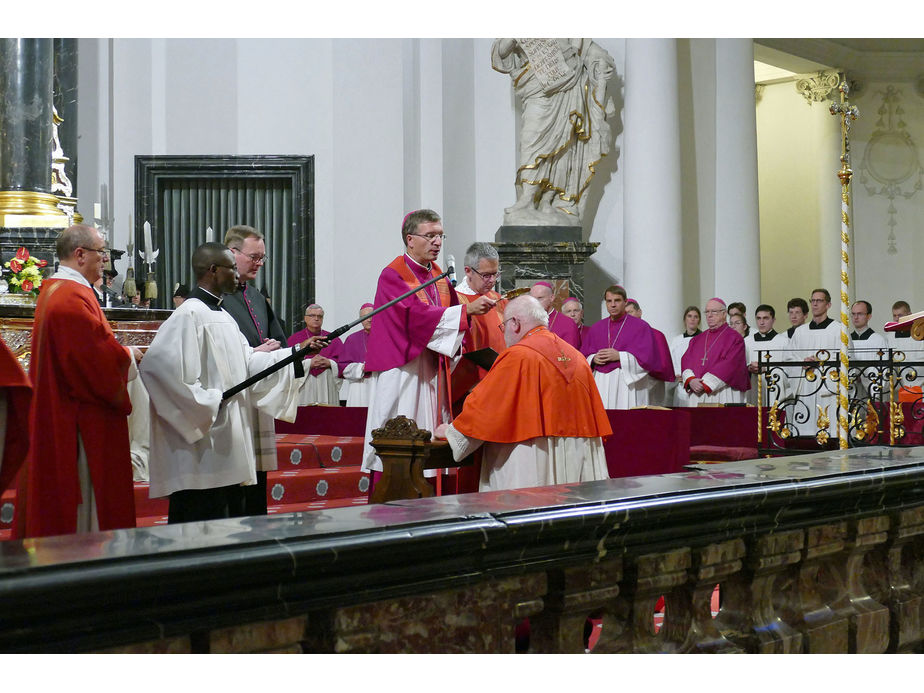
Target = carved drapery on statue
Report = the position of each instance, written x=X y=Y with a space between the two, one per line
x=564 y=133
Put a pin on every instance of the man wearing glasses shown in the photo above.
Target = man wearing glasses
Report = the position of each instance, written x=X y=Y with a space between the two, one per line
x=203 y=449
x=821 y=333
x=537 y=412
x=80 y=474
x=263 y=331
x=324 y=382
x=410 y=344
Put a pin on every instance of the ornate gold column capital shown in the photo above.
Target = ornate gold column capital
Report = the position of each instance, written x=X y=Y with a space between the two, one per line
x=817 y=87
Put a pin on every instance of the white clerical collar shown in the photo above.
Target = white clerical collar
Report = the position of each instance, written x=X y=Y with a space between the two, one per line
x=426 y=267
x=463 y=288
x=65 y=272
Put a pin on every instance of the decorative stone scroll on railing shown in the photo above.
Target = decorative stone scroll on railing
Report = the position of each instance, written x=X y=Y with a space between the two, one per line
x=884 y=399
x=813 y=553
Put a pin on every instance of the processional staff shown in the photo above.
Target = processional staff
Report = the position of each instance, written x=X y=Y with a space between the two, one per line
x=301 y=353
x=847 y=113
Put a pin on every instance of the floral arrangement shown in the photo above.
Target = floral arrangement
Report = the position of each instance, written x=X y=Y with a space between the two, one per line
x=26 y=273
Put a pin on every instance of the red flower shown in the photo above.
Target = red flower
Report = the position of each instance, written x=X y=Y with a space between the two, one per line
x=41 y=263
x=15 y=264
x=22 y=255
x=27 y=285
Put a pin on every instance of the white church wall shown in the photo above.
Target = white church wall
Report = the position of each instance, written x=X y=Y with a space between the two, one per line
x=888 y=270
x=788 y=162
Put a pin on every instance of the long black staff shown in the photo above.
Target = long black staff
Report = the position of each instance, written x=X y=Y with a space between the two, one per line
x=300 y=353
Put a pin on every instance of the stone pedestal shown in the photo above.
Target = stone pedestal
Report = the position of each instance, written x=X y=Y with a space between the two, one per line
x=554 y=253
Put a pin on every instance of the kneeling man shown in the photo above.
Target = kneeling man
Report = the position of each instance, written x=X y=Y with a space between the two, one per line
x=548 y=429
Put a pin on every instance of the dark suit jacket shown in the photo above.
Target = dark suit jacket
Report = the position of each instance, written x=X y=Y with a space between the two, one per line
x=270 y=324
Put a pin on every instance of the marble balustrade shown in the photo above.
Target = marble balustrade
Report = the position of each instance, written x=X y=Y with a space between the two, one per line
x=813 y=553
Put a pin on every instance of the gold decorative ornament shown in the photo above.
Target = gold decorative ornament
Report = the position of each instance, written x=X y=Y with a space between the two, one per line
x=29 y=208
x=823 y=423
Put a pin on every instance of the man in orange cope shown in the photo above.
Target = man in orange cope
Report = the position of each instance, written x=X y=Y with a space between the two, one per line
x=537 y=412
x=481 y=274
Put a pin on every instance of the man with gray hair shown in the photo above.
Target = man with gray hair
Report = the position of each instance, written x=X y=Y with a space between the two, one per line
x=549 y=431
x=323 y=386
x=482 y=271
x=80 y=473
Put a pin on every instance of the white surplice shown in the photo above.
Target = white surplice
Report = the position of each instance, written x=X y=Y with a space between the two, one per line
x=413 y=389
x=776 y=347
x=357 y=387
x=196 y=441
x=624 y=387
x=323 y=388
x=806 y=342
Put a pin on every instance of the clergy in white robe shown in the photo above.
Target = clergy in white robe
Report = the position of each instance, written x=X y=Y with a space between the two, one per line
x=760 y=343
x=536 y=412
x=715 y=364
x=202 y=449
x=678 y=346
x=625 y=355
x=411 y=342
x=865 y=345
x=820 y=334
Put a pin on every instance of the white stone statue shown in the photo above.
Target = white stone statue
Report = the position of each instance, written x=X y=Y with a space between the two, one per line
x=563 y=134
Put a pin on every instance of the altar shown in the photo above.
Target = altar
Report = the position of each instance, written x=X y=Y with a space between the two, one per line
x=132 y=327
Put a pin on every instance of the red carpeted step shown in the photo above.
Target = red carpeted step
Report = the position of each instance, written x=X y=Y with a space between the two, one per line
x=145 y=506
x=7 y=513
x=299 y=451
x=287 y=487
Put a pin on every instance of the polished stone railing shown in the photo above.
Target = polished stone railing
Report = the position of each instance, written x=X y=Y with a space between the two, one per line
x=813 y=553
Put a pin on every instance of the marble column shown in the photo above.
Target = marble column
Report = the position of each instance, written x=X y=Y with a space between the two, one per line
x=26 y=68
x=737 y=224
x=65 y=102
x=651 y=155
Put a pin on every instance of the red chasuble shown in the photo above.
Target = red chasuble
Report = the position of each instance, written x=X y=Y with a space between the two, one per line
x=14 y=380
x=540 y=387
x=79 y=373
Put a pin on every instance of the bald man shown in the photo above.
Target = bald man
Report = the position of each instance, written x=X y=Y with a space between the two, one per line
x=559 y=324
x=550 y=430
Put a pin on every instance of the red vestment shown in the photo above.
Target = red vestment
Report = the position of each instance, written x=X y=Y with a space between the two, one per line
x=14 y=380
x=79 y=373
x=539 y=387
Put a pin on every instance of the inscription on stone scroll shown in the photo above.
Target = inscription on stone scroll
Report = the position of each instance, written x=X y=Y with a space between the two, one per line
x=548 y=62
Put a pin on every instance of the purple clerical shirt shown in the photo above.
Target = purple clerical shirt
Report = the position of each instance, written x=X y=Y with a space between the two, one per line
x=354 y=350
x=627 y=333
x=331 y=351
x=565 y=327
x=719 y=351
x=400 y=334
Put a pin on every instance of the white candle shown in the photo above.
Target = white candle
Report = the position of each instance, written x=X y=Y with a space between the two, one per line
x=148 y=245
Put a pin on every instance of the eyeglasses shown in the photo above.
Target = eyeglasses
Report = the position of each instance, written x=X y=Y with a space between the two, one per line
x=254 y=258
x=714 y=312
x=315 y=315
x=102 y=251
x=818 y=300
x=487 y=275
x=432 y=237
x=502 y=326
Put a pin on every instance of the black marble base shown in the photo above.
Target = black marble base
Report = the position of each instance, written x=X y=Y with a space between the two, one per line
x=40 y=242
x=549 y=234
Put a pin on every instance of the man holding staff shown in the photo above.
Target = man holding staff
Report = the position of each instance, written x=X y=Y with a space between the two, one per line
x=410 y=343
